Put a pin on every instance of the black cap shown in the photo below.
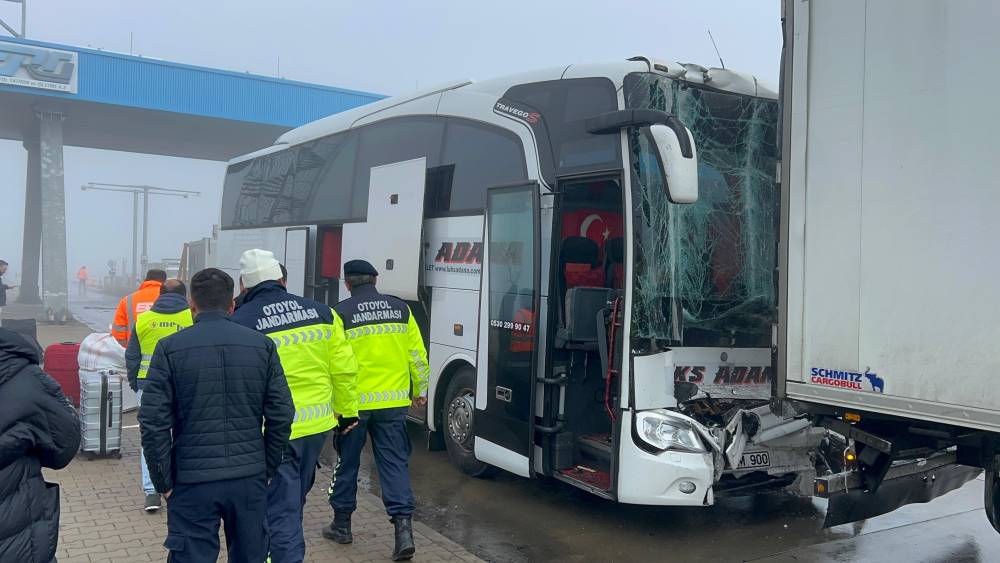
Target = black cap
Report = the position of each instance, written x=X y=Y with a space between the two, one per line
x=359 y=268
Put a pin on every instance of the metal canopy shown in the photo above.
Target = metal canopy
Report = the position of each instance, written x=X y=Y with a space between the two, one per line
x=118 y=128
x=135 y=104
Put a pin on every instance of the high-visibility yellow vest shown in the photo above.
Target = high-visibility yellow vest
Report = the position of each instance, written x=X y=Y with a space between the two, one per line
x=151 y=327
x=318 y=363
x=392 y=360
x=321 y=372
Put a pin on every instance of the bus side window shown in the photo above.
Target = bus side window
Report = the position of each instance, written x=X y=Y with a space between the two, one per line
x=394 y=140
x=476 y=156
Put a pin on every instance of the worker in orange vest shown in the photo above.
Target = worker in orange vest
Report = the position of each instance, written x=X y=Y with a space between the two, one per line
x=81 y=277
x=134 y=303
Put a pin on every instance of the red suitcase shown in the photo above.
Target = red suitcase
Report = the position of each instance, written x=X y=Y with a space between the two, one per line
x=62 y=365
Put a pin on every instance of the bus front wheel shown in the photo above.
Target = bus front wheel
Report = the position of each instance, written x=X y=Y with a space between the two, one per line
x=457 y=414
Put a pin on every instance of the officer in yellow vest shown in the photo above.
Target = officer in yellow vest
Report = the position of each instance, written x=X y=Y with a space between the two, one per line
x=321 y=372
x=168 y=314
x=393 y=371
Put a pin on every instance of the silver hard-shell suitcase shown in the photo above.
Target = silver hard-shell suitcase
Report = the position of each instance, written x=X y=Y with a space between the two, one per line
x=101 y=413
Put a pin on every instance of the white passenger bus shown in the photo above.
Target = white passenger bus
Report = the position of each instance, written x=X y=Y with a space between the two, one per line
x=597 y=307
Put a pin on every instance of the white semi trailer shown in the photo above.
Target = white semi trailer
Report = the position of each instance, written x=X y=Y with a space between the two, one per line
x=889 y=252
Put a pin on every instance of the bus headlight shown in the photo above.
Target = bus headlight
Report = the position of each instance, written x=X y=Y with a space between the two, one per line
x=663 y=432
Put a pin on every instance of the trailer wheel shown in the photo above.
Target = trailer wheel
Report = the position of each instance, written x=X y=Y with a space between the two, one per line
x=457 y=415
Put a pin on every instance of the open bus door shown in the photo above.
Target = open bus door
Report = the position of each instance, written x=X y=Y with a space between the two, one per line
x=390 y=238
x=508 y=343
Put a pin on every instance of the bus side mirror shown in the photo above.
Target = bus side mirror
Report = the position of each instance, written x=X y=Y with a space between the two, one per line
x=679 y=160
x=674 y=143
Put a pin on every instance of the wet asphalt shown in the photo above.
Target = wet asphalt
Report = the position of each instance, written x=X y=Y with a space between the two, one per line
x=511 y=519
x=505 y=518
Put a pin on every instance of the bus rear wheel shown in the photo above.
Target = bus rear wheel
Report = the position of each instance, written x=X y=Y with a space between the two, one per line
x=457 y=417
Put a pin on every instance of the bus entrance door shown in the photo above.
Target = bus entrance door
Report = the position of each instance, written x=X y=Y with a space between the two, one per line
x=508 y=343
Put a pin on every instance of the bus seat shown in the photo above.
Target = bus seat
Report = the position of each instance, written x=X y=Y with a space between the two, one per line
x=598 y=225
x=582 y=307
x=579 y=263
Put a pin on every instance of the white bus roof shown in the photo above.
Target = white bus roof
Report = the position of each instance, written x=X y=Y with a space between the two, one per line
x=717 y=78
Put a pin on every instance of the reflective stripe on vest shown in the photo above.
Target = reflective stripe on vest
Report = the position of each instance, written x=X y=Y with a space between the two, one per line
x=387 y=328
x=152 y=327
x=383 y=397
x=311 y=334
x=130 y=312
x=312 y=412
x=423 y=370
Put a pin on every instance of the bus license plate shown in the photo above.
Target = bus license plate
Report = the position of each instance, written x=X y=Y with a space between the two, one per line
x=754 y=459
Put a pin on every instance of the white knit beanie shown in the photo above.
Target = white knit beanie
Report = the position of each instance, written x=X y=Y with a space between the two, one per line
x=258 y=266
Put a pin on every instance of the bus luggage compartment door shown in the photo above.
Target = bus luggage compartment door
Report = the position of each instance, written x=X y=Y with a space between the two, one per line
x=391 y=236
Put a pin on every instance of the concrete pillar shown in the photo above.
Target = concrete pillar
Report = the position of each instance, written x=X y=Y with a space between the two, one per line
x=31 y=244
x=55 y=274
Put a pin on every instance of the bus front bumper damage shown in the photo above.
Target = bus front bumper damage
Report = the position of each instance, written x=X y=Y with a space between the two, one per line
x=785 y=449
x=787 y=445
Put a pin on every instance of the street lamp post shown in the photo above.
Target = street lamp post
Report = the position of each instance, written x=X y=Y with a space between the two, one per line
x=145 y=230
x=24 y=19
x=146 y=191
x=134 y=264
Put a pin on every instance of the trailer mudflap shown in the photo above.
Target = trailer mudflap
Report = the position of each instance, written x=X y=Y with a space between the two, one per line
x=908 y=483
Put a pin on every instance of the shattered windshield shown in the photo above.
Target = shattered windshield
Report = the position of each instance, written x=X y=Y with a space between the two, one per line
x=704 y=272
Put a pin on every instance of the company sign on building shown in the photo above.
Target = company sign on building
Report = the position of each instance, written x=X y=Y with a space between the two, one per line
x=29 y=66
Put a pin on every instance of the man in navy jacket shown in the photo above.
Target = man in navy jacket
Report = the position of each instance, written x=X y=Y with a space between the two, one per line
x=215 y=418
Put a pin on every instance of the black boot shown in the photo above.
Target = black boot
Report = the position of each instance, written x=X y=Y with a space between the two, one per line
x=404 y=538
x=340 y=529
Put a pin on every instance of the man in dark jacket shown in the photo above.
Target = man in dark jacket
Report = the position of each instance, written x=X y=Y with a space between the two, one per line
x=38 y=428
x=215 y=419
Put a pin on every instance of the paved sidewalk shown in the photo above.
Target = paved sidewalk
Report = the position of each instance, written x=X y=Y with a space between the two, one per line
x=102 y=518
x=103 y=521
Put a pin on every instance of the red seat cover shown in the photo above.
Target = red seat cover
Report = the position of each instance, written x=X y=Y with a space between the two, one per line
x=583 y=275
x=598 y=225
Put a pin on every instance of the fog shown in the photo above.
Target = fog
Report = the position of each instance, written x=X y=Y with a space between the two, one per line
x=378 y=46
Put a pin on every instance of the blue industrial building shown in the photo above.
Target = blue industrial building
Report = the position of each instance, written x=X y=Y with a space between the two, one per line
x=55 y=95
